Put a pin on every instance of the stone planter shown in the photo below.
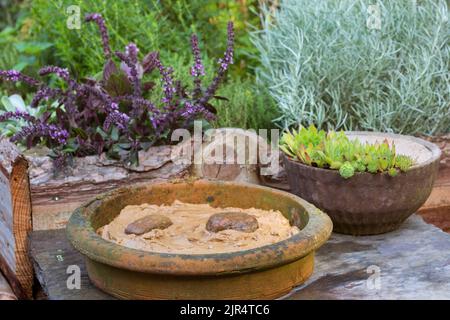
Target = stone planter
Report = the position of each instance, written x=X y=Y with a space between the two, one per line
x=261 y=273
x=369 y=203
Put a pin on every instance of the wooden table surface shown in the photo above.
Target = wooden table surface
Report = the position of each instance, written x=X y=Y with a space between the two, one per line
x=410 y=263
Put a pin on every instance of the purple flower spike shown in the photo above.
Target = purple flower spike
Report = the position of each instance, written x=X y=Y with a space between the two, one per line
x=16 y=76
x=116 y=117
x=228 y=56
x=192 y=111
x=197 y=69
x=167 y=80
x=42 y=130
x=45 y=93
x=97 y=18
x=224 y=63
x=70 y=98
x=16 y=115
x=131 y=50
x=57 y=134
x=63 y=73
x=131 y=61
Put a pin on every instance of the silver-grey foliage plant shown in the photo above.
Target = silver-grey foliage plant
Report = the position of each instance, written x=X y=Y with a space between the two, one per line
x=326 y=63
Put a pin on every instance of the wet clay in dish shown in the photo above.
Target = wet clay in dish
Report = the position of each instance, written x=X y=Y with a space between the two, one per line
x=188 y=234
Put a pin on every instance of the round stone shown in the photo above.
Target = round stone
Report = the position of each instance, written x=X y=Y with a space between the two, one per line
x=148 y=223
x=238 y=221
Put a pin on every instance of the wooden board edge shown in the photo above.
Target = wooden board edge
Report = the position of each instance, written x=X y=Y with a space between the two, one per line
x=22 y=224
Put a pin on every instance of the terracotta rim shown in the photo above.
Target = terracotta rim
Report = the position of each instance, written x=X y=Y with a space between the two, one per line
x=84 y=238
x=435 y=151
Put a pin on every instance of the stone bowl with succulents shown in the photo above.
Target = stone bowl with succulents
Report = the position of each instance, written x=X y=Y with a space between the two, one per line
x=367 y=182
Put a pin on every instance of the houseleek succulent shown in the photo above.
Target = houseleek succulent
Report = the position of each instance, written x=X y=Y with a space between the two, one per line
x=334 y=150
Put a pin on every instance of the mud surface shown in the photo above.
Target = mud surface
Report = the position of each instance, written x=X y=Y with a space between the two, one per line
x=188 y=233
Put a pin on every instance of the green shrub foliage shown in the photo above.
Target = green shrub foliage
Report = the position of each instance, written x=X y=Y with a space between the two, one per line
x=325 y=64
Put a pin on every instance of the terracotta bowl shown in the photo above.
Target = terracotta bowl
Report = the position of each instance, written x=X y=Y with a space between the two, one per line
x=368 y=203
x=266 y=272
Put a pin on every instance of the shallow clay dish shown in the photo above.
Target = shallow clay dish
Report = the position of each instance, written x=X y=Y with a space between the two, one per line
x=266 y=272
x=368 y=203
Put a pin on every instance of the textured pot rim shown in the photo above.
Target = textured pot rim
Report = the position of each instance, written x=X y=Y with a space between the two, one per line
x=84 y=238
x=435 y=152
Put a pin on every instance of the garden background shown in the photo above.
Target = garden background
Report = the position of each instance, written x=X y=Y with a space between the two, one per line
x=295 y=61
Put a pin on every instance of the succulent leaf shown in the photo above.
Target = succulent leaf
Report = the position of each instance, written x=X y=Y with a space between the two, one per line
x=347 y=170
x=334 y=150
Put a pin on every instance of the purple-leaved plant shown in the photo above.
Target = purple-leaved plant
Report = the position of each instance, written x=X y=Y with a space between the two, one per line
x=114 y=114
x=97 y=18
x=35 y=128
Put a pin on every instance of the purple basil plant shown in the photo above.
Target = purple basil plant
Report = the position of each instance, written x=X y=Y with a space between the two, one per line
x=113 y=114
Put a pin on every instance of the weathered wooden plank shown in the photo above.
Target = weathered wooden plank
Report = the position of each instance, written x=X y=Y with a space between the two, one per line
x=15 y=219
x=52 y=255
x=409 y=263
x=6 y=292
x=6 y=221
x=7 y=243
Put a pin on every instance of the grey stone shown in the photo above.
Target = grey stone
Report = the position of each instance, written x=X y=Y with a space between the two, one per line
x=238 y=221
x=148 y=223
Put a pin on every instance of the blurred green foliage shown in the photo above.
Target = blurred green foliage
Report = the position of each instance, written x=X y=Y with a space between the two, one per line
x=9 y=9
x=19 y=50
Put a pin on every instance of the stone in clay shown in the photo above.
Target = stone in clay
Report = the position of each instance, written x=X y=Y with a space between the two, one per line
x=148 y=223
x=239 y=221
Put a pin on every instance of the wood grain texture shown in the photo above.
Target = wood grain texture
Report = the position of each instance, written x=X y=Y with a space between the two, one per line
x=20 y=191
x=15 y=219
